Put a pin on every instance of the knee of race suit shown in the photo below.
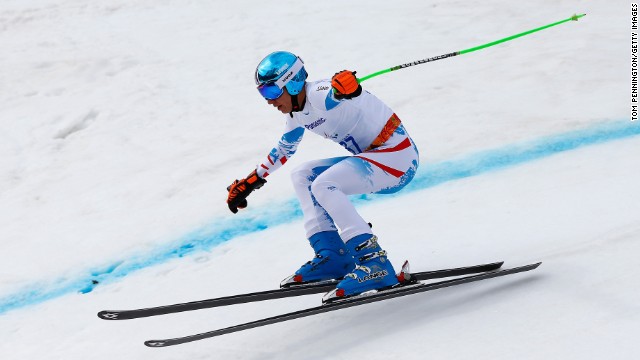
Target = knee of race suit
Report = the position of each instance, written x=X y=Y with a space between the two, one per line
x=304 y=174
x=322 y=190
x=300 y=176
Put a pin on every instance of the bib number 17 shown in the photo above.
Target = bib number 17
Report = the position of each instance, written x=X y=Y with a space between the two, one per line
x=350 y=144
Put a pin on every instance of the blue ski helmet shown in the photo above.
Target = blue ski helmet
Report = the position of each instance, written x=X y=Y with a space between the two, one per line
x=278 y=70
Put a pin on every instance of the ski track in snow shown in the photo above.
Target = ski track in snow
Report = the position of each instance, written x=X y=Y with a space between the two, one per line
x=227 y=229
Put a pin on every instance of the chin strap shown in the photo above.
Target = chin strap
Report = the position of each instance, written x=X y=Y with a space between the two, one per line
x=295 y=106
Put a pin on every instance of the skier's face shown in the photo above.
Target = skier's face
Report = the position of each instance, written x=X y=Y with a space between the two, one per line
x=283 y=103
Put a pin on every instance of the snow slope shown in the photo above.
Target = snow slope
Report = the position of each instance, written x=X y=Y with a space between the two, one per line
x=122 y=122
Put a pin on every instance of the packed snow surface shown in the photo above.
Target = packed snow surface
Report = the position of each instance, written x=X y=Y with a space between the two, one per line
x=123 y=122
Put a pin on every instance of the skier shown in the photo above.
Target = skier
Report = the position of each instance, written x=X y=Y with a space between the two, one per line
x=384 y=159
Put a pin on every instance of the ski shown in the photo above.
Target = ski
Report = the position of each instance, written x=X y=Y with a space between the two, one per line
x=276 y=294
x=343 y=304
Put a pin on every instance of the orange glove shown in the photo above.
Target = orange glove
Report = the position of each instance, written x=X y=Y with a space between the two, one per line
x=345 y=85
x=239 y=190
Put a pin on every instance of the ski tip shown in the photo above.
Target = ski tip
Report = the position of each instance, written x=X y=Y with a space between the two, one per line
x=529 y=267
x=493 y=266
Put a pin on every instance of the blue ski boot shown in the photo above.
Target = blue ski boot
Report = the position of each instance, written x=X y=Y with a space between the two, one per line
x=373 y=270
x=332 y=261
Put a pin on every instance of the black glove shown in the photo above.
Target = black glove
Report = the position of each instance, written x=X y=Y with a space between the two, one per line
x=239 y=190
x=345 y=85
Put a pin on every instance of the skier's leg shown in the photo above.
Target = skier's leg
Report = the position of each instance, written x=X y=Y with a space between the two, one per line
x=332 y=260
x=316 y=219
x=384 y=170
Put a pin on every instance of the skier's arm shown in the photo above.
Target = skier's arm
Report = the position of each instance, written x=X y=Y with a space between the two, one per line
x=286 y=147
x=239 y=190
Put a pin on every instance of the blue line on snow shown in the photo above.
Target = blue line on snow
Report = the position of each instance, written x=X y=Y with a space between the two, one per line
x=227 y=228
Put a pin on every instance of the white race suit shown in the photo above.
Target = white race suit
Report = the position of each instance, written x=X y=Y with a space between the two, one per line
x=384 y=158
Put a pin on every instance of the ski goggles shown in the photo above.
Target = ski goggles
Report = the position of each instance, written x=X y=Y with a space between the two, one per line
x=272 y=90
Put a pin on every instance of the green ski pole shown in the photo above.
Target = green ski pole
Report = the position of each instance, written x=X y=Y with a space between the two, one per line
x=440 y=57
